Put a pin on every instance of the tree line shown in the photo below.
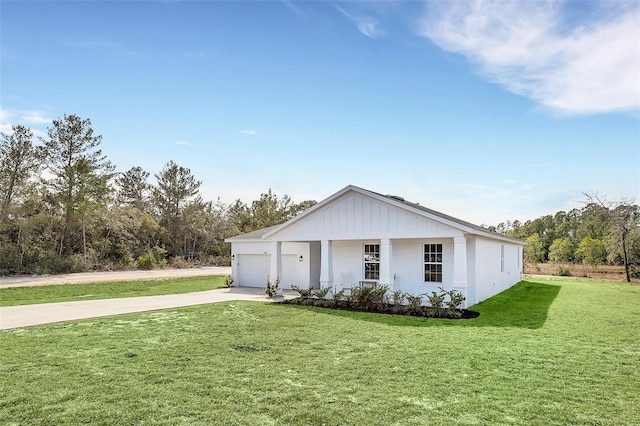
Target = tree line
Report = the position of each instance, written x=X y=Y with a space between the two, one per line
x=601 y=232
x=65 y=208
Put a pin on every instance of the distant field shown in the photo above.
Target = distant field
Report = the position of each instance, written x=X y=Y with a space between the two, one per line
x=552 y=351
x=608 y=272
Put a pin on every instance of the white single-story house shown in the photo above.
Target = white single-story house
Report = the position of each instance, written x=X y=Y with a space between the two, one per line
x=359 y=237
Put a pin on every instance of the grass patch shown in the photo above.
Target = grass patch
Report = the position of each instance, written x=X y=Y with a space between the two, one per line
x=571 y=360
x=13 y=296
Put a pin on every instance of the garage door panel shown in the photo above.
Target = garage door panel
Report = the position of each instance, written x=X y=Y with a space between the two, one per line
x=253 y=269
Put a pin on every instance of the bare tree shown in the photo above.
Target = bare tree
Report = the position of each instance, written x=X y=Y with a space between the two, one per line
x=624 y=217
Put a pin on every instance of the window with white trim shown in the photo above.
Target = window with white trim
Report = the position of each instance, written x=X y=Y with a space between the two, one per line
x=502 y=258
x=433 y=263
x=371 y=261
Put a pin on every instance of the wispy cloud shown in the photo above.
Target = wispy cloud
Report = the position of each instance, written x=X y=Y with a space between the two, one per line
x=248 y=132
x=183 y=143
x=368 y=26
x=536 y=49
x=12 y=117
x=95 y=44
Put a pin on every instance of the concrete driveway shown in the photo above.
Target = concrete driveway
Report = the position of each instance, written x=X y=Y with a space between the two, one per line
x=47 y=313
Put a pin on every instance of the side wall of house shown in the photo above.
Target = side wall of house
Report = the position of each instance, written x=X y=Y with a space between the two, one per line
x=498 y=266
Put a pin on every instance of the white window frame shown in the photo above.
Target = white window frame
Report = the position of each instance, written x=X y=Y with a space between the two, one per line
x=373 y=258
x=433 y=258
x=502 y=258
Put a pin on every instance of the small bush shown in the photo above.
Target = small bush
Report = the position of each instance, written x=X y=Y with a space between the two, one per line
x=146 y=262
x=397 y=301
x=305 y=293
x=272 y=289
x=153 y=258
x=228 y=281
x=415 y=303
x=455 y=299
x=321 y=293
x=337 y=297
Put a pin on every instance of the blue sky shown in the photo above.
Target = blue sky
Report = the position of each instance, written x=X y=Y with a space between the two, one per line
x=487 y=111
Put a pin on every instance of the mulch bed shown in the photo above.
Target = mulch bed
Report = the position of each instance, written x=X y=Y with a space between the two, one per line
x=389 y=309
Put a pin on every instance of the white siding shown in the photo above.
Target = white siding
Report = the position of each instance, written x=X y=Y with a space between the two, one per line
x=489 y=279
x=358 y=217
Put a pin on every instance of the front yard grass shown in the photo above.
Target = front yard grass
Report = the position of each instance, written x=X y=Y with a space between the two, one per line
x=546 y=352
x=13 y=296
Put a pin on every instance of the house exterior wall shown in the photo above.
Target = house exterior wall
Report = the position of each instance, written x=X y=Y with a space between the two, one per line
x=490 y=278
x=408 y=265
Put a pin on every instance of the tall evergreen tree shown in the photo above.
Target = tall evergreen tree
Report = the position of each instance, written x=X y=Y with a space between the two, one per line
x=134 y=189
x=80 y=174
x=19 y=160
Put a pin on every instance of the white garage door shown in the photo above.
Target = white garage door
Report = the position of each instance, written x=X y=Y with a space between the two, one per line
x=253 y=269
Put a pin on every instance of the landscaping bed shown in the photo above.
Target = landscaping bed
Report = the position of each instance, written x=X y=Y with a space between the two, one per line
x=443 y=304
x=385 y=308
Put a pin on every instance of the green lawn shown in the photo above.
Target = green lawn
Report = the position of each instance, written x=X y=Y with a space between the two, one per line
x=70 y=292
x=548 y=351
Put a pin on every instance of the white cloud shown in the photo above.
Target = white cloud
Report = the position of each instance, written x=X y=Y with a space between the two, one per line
x=183 y=143
x=368 y=26
x=248 y=132
x=28 y=118
x=542 y=50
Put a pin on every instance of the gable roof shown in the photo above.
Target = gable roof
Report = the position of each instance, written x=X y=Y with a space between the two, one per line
x=252 y=236
x=397 y=201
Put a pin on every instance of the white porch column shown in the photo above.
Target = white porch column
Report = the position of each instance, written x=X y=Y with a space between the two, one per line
x=276 y=263
x=460 y=264
x=386 y=274
x=326 y=264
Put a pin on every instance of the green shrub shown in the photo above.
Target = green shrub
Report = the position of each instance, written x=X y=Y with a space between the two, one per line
x=228 y=281
x=397 y=301
x=153 y=258
x=321 y=293
x=146 y=262
x=436 y=303
x=305 y=293
x=455 y=299
x=272 y=289
x=415 y=303
x=337 y=297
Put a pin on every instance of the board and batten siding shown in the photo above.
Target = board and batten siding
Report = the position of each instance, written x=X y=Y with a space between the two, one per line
x=356 y=216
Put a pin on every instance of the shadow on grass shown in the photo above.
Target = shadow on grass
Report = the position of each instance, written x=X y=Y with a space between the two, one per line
x=525 y=305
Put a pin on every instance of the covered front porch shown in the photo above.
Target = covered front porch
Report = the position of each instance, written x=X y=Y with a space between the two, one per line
x=415 y=266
